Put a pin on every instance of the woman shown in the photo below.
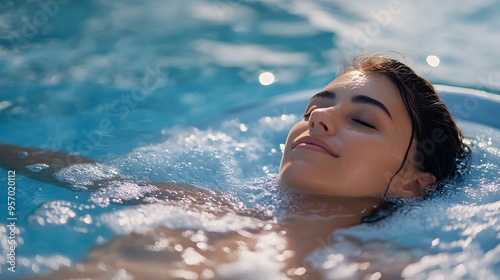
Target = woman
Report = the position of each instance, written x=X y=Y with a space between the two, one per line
x=376 y=132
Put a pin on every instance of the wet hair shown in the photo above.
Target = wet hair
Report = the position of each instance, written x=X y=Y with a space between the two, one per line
x=439 y=142
x=440 y=147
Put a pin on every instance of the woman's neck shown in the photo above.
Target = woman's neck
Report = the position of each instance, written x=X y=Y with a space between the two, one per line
x=303 y=205
x=308 y=221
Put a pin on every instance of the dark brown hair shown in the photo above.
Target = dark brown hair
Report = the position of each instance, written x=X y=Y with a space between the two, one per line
x=440 y=148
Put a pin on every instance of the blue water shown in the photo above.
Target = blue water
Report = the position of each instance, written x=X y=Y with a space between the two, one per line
x=117 y=80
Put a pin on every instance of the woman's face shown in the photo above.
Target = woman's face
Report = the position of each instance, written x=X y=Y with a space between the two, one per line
x=352 y=139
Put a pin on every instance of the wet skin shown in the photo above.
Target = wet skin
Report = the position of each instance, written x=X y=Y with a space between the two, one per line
x=351 y=141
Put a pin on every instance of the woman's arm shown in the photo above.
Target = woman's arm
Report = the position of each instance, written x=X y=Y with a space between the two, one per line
x=18 y=158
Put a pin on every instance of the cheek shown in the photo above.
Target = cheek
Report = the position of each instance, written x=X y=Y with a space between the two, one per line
x=296 y=130
x=375 y=154
x=373 y=150
x=371 y=163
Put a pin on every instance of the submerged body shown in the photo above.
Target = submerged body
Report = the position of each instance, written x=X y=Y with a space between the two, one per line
x=284 y=240
x=270 y=249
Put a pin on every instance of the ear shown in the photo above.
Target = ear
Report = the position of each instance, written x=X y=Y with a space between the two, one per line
x=417 y=185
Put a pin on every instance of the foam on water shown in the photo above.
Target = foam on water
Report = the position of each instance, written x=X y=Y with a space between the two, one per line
x=120 y=192
x=37 y=167
x=236 y=159
x=147 y=217
x=60 y=212
x=80 y=176
x=250 y=262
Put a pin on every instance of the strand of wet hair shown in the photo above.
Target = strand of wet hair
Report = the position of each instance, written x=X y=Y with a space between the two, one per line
x=409 y=145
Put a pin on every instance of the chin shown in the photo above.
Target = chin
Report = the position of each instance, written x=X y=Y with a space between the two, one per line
x=304 y=177
x=292 y=177
x=300 y=178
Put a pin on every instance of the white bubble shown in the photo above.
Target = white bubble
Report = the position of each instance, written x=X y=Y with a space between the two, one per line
x=433 y=60
x=85 y=174
x=37 y=167
x=266 y=78
x=191 y=257
x=243 y=128
x=22 y=154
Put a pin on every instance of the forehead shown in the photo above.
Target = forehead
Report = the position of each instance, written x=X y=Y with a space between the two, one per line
x=352 y=79
x=373 y=85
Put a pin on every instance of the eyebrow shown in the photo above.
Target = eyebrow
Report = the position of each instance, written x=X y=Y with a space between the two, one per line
x=325 y=94
x=360 y=99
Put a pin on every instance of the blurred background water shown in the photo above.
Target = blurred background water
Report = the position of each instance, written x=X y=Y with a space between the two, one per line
x=146 y=66
x=101 y=78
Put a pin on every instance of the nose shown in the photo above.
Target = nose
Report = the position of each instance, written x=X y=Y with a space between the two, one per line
x=321 y=122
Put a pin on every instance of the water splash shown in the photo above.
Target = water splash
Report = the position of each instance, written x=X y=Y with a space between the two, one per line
x=22 y=154
x=37 y=167
x=79 y=176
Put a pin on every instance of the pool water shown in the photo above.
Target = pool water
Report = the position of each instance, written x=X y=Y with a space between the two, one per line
x=144 y=88
x=452 y=233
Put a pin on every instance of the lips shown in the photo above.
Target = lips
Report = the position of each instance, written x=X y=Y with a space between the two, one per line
x=315 y=144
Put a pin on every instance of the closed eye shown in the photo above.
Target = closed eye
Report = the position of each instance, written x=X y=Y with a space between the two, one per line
x=308 y=112
x=361 y=122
